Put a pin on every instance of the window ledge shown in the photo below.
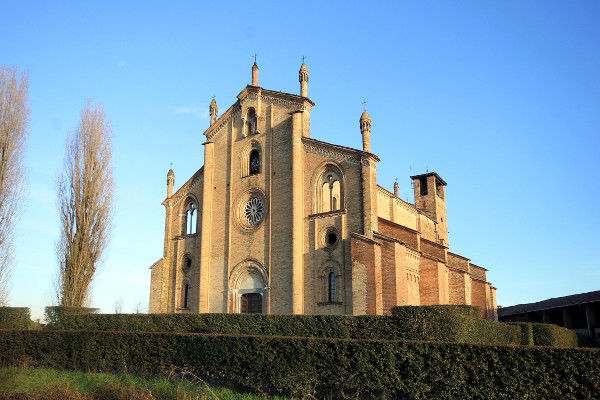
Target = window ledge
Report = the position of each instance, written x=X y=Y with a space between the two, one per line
x=180 y=237
x=329 y=303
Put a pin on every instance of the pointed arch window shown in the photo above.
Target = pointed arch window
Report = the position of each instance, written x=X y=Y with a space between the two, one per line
x=331 y=287
x=186 y=295
x=251 y=158
x=254 y=166
x=331 y=193
x=330 y=290
x=191 y=218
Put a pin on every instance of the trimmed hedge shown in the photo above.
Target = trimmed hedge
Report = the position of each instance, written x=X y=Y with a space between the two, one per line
x=549 y=335
x=444 y=323
x=454 y=323
x=14 y=318
x=57 y=316
x=324 y=368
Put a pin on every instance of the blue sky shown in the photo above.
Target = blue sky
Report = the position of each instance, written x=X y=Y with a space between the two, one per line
x=501 y=99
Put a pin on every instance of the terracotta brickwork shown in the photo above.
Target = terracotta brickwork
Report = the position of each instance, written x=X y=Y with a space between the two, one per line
x=302 y=223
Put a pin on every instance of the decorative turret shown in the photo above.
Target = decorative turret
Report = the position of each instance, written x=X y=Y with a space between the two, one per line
x=365 y=129
x=255 y=74
x=303 y=80
x=214 y=111
x=170 y=183
x=396 y=189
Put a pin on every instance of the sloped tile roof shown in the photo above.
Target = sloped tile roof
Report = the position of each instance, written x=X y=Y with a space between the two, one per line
x=557 y=302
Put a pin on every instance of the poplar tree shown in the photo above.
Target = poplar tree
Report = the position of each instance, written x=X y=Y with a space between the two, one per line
x=14 y=124
x=85 y=204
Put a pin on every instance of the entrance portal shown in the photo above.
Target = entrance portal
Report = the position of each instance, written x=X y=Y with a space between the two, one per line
x=251 y=303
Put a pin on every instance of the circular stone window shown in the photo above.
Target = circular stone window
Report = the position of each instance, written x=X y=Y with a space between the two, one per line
x=250 y=210
x=330 y=237
x=253 y=212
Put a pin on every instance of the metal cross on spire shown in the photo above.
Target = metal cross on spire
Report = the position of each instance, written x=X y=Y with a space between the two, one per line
x=255 y=54
x=171 y=165
x=365 y=104
x=303 y=58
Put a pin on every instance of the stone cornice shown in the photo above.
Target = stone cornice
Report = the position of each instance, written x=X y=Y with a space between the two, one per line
x=340 y=153
x=250 y=92
x=406 y=228
x=440 y=246
x=458 y=256
x=222 y=121
x=183 y=190
x=364 y=238
x=328 y=214
x=477 y=266
x=404 y=204
x=156 y=263
x=434 y=258
x=189 y=236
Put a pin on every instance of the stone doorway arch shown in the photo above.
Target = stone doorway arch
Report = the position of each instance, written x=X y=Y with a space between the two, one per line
x=248 y=288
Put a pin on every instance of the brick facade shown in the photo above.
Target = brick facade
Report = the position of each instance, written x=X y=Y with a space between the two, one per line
x=303 y=223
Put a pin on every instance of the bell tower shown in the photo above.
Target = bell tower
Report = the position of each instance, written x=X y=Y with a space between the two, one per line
x=430 y=197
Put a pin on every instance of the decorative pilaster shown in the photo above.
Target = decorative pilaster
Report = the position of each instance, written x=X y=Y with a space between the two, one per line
x=297 y=197
x=205 y=252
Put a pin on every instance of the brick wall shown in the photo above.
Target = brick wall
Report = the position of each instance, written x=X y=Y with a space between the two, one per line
x=367 y=252
x=399 y=232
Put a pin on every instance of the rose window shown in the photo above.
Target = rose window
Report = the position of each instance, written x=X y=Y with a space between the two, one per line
x=253 y=212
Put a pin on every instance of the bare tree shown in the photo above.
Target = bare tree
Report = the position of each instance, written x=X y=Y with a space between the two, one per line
x=85 y=205
x=14 y=122
x=119 y=306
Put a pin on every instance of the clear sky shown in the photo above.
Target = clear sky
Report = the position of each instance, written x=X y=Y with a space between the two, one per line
x=501 y=99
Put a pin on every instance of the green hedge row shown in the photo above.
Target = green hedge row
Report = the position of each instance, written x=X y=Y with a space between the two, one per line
x=443 y=323
x=324 y=368
x=14 y=318
x=548 y=335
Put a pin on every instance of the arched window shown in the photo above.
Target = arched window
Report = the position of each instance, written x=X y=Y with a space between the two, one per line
x=331 y=191
x=191 y=218
x=331 y=287
x=250 y=158
x=186 y=295
x=254 y=166
x=250 y=122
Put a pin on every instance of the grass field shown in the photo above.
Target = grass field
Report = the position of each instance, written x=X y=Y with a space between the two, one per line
x=50 y=384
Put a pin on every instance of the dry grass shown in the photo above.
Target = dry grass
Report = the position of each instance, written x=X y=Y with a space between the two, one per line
x=49 y=384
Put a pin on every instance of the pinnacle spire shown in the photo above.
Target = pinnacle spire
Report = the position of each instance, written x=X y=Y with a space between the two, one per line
x=303 y=77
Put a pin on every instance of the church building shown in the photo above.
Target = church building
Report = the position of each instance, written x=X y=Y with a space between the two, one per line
x=277 y=222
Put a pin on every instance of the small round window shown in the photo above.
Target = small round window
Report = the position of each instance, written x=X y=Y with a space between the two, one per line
x=331 y=237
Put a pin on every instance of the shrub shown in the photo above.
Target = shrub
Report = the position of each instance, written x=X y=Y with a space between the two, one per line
x=331 y=368
x=58 y=317
x=14 y=318
x=553 y=335
x=443 y=323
